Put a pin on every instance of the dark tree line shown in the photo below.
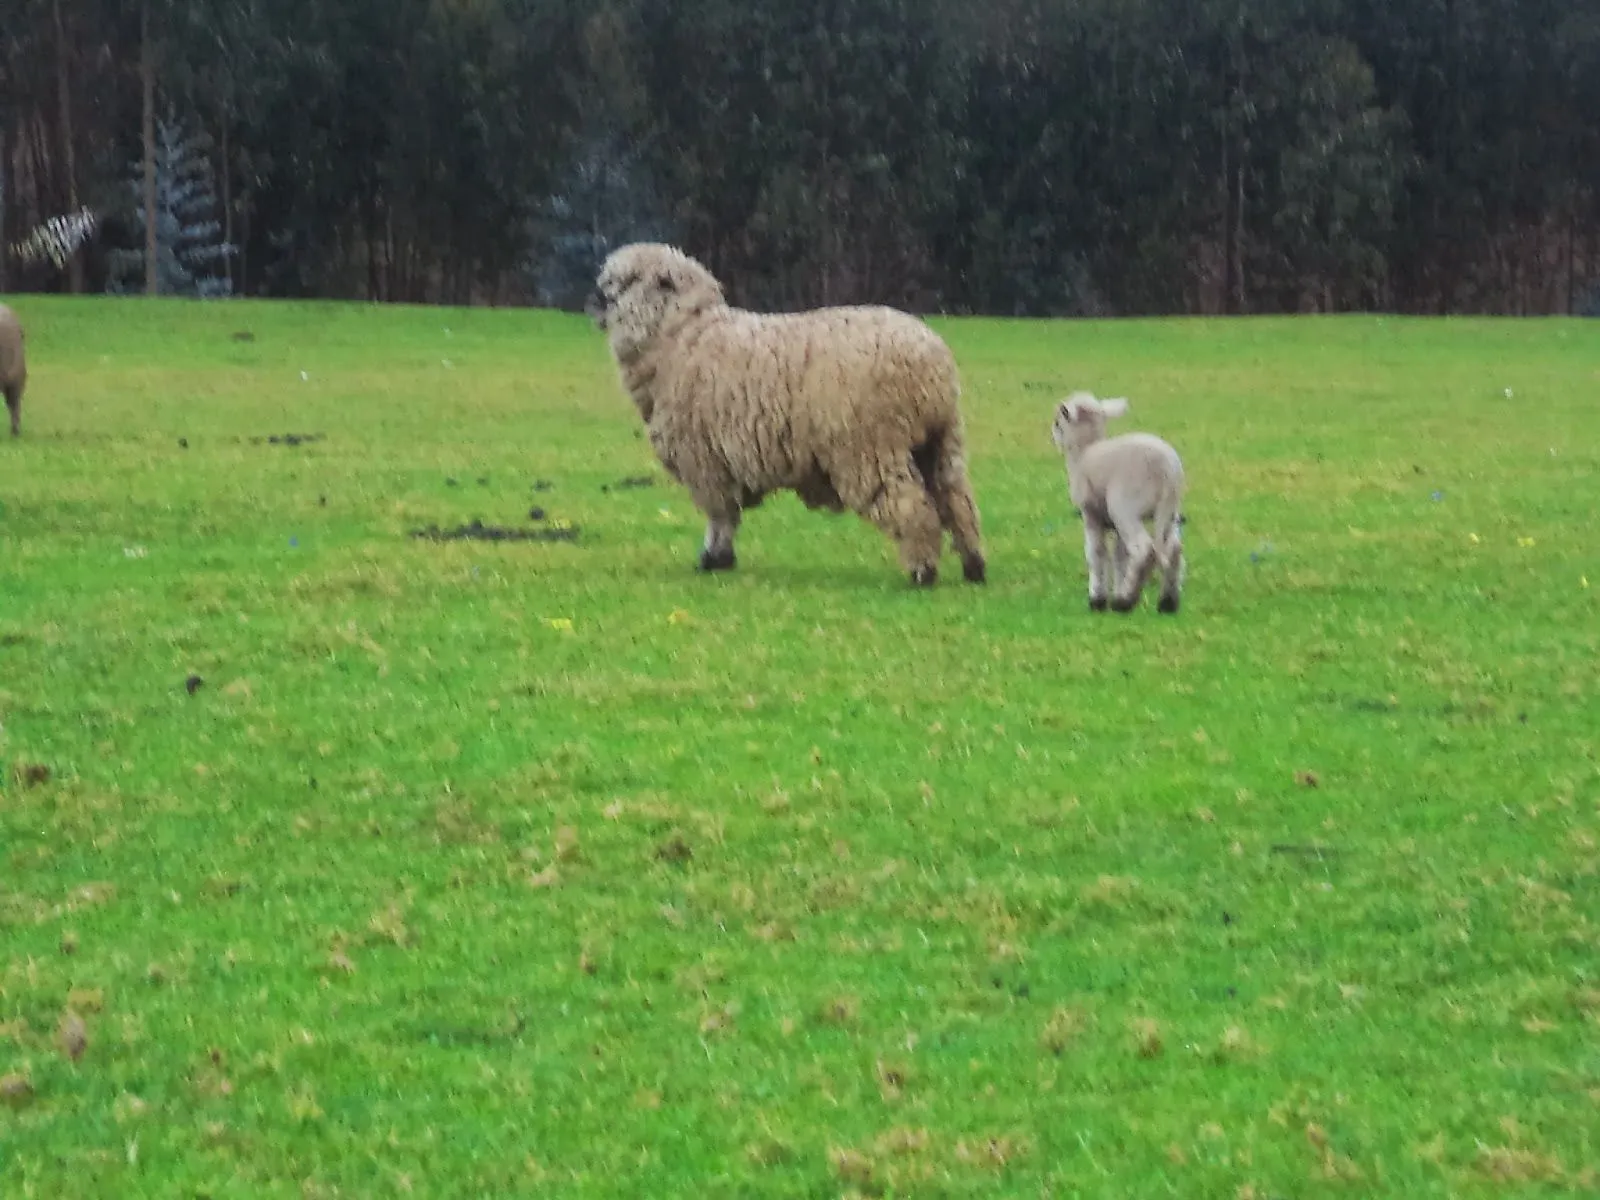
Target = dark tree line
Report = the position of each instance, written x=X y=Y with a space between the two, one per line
x=1014 y=156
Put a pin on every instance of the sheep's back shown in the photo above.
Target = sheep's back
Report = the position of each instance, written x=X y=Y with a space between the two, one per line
x=1146 y=465
x=770 y=390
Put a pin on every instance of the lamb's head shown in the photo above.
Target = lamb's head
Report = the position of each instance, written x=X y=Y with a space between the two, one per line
x=648 y=290
x=1081 y=421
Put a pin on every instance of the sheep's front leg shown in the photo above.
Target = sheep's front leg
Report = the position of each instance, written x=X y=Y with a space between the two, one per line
x=717 y=552
x=14 y=407
x=1094 y=552
x=892 y=496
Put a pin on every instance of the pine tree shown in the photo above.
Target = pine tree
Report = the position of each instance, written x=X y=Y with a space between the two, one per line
x=191 y=255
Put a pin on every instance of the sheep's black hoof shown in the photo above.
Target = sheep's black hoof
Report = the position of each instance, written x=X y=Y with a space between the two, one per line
x=974 y=569
x=923 y=577
x=1168 y=605
x=1124 y=604
x=1097 y=604
x=717 y=560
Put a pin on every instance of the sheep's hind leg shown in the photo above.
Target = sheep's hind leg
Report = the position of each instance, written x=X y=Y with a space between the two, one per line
x=1172 y=570
x=14 y=407
x=1141 y=557
x=951 y=492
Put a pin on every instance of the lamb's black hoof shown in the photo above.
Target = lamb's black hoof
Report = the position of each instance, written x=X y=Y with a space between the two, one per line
x=924 y=576
x=720 y=560
x=1097 y=604
x=1123 y=604
x=974 y=570
x=1168 y=605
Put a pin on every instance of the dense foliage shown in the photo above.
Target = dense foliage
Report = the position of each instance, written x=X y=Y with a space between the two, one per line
x=1020 y=156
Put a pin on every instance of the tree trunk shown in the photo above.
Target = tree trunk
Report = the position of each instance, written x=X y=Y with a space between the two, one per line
x=244 y=245
x=147 y=81
x=5 y=178
x=370 y=235
x=227 y=203
x=64 y=119
x=1227 y=225
x=1230 y=227
x=1572 y=258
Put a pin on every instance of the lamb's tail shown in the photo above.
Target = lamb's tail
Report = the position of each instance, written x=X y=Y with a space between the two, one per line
x=1168 y=527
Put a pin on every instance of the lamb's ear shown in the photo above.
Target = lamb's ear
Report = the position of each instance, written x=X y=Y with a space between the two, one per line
x=1066 y=412
x=1114 y=408
x=665 y=282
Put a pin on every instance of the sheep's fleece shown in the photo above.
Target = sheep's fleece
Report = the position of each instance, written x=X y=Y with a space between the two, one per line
x=13 y=366
x=851 y=408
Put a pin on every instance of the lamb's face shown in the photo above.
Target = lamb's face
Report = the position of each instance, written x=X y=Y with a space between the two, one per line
x=1081 y=421
x=647 y=289
x=1061 y=427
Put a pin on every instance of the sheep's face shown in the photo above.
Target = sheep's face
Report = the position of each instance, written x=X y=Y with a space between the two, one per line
x=1081 y=421
x=647 y=290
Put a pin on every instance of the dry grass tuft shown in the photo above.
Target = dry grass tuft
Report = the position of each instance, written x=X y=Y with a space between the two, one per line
x=1063 y=1028
x=1147 y=1042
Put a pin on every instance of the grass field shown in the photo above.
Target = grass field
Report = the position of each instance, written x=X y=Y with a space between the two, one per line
x=557 y=868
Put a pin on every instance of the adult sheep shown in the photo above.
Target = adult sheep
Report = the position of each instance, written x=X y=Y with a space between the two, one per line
x=850 y=408
x=13 y=366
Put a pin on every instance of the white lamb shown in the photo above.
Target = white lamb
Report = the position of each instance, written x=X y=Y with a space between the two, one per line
x=1117 y=484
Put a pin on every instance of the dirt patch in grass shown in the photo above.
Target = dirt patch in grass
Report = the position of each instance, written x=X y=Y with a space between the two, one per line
x=31 y=775
x=289 y=439
x=477 y=531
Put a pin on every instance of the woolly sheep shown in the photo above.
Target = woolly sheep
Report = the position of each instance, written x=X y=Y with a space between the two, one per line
x=851 y=408
x=13 y=366
x=1117 y=484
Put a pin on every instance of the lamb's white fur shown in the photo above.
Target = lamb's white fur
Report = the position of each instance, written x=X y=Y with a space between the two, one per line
x=1117 y=484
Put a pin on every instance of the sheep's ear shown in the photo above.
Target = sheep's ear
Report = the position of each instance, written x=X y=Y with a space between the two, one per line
x=665 y=283
x=1114 y=408
x=1064 y=411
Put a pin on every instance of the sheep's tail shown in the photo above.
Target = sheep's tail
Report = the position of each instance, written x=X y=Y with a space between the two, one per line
x=942 y=460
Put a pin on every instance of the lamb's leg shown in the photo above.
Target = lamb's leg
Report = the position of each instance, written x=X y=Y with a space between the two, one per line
x=1171 y=568
x=1094 y=553
x=951 y=493
x=1141 y=556
x=14 y=407
x=1119 y=556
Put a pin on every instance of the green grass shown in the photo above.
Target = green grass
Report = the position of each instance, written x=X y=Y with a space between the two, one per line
x=526 y=868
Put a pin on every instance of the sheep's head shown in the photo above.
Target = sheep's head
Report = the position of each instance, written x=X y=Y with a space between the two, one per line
x=1081 y=421
x=647 y=290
